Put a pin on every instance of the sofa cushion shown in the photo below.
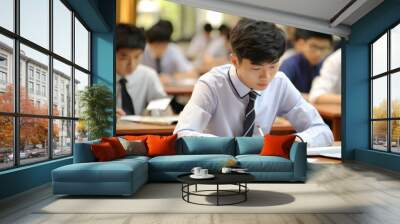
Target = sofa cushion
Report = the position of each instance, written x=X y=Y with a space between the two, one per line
x=206 y=145
x=116 y=145
x=83 y=152
x=134 y=147
x=249 y=145
x=257 y=163
x=103 y=152
x=161 y=145
x=112 y=171
x=277 y=145
x=185 y=163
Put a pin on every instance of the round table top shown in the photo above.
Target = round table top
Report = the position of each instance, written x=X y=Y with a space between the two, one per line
x=220 y=178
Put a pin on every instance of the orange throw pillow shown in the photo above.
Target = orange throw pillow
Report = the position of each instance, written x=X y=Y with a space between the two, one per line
x=116 y=145
x=277 y=145
x=161 y=145
x=103 y=152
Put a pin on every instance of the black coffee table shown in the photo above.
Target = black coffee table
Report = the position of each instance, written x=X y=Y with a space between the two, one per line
x=238 y=179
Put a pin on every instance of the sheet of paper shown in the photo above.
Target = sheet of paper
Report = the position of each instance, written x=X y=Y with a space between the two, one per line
x=162 y=120
x=329 y=151
x=159 y=104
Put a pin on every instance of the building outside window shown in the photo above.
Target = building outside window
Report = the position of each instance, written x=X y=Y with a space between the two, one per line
x=58 y=128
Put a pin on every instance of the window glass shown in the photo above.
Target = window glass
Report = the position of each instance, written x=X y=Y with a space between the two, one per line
x=34 y=142
x=6 y=74
x=35 y=21
x=379 y=56
x=62 y=29
x=81 y=45
x=39 y=62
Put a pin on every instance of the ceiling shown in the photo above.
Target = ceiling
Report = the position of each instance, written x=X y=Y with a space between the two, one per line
x=327 y=16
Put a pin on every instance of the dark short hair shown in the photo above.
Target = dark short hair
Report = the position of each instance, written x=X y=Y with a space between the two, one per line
x=207 y=28
x=159 y=32
x=129 y=36
x=257 y=41
x=307 y=34
x=224 y=30
x=167 y=25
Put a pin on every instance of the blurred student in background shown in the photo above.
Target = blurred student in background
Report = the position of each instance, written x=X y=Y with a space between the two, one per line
x=303 y=67
x=294 y=43
x=199 y=43
x=326 y=88
x=163 y=55
x=137 y=84
x=218 y=51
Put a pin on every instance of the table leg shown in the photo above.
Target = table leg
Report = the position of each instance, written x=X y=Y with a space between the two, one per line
x=217 y=194
x=245 y=191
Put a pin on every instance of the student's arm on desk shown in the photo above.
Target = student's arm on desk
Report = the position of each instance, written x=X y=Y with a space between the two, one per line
x=194 y=119
x=304 y=117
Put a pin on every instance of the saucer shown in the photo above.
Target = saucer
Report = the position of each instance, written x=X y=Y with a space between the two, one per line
x=208 y=176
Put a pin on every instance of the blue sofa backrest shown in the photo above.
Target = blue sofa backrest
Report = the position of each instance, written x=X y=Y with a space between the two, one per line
x=249 y=145
x=83 y=152
x=205 y=145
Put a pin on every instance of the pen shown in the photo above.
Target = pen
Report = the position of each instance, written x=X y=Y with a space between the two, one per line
x=260 y=130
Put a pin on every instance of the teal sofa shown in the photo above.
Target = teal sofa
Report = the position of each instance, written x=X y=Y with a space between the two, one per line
x=125 y=176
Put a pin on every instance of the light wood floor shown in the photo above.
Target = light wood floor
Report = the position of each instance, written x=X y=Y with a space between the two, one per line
x=378 y=188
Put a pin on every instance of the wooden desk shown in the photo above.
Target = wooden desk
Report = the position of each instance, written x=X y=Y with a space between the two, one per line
x=281 y=126
x=133 y=128
x=177 y=90
x=333 y=114
x=179 y=86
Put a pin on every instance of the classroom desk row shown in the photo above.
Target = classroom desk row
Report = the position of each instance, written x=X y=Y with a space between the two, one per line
x=132 y=128
x=281 y=126
x=329 y=112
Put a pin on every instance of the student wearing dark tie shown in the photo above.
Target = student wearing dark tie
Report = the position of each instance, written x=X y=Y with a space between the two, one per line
x=137 y=84
x=164 y=56
x=238 y=98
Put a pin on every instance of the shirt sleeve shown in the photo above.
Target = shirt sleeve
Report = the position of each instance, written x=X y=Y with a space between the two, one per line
x=328 y=79
x=194 y=118
x=155 y=89
x=304 y=117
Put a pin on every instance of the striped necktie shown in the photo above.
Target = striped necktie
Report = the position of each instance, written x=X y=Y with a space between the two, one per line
x=250 y=115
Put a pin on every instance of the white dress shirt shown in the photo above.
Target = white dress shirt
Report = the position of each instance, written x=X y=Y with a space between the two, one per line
x=329 y=80
x=219 y=99
x=172 y=61
x=143 y=85
x=198 y=45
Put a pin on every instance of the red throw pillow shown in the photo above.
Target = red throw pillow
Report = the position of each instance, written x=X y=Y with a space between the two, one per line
x=103 y=152
x=116 y=145
x=277 y=145
x=161 y=145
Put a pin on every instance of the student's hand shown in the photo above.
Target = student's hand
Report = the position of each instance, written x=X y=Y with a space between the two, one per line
x=119 y=113
x=298 y=139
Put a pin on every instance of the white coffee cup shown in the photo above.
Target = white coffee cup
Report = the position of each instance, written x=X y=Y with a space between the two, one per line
x=226 y=170
x=196 y=170
x=203 y=172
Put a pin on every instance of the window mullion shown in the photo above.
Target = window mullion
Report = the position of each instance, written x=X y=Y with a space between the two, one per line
x=73 y=82
x=16 y=70
x=50 y=81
